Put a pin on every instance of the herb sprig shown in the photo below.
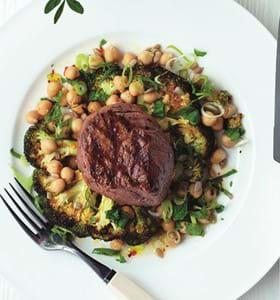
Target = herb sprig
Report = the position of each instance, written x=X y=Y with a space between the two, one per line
x=74 y=5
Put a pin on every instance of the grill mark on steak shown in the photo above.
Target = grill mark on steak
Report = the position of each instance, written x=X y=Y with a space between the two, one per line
x=124 y=154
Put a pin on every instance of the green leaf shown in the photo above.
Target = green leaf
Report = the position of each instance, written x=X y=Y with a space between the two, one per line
x=198 y=52
x=219 y=208
x=106 y=251
x=75 y=6
x=201 y=214
x=235 y=134
x=51 y=4
x=26 y=182
x=188 y=113
x=195 y=229
x=19 y=156
x=61 y=235
x=118 y=217
x=102 y=43
x=121 y=259
x=227 y=174
x=159 y=109
x=180 y=212
x=98 y=95
x=59 y=12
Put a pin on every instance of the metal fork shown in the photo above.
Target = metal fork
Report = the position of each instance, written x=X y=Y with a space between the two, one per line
x=121 y=286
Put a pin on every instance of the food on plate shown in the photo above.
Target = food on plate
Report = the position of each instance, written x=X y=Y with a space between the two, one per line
x=131 y=147
x=124 y=154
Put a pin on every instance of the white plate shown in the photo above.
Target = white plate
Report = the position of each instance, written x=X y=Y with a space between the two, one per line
x=236 y=252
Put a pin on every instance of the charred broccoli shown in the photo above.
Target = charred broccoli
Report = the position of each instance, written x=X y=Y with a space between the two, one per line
x=32 y=147
x=73 y=208
x=142 y=228
x=108 y=223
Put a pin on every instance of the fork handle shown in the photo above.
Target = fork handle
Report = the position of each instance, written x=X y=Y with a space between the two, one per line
x=125 y=289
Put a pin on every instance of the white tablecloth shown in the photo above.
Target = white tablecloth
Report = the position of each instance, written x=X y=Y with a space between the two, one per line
x=268 y=12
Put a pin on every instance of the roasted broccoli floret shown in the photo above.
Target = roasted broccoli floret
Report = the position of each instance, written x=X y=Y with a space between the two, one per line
x=234 y=122
x=198 y=138
x=75 y=206
x=142 y=228
x=32 y=147
x=108 y=222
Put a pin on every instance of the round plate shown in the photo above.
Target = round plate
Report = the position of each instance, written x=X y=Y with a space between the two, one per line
x=238 y=250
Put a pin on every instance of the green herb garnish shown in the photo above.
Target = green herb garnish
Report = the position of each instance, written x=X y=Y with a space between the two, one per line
x=118 y=217
x=97 y=95
x=61 y=235
x=235 y=134
x=198 y=52
x=73 y=4
x=102 y=43
x=106 y=251
x=195 y=229
x=25 y=181
x=159 y=109
x=180 y=212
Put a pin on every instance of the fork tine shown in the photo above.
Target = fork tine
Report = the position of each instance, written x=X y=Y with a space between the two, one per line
x=30 y=233
x=32 y=212
x=35 y=226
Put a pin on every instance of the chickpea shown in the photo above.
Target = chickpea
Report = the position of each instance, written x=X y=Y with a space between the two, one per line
x=230 y=110
x=127 y=97
x=196 y=190
x=168 y=226
x=117 y=244
x=53 y=88
x=165 y=58
x=72 y=73
x=159 y=252
x=48 y=146
x=51 y=126
x=57 y=186
x=218 y=156
x=95 y=60
x=120 y=83
x=94 y=107
x=44 y=107
x=79 y=109
x=67 y=174
x=150 y=97
x=157 y=57
x=209 y=121
x=136 y=88
x=128 y=210
x=32 y=117
x=72 y=162
x=113 y=99
x=219 y=125
x=183 y=227
x=76 y=125
x=112 y=54
x=146 y=57
x=72 y=98
x=173 y=238
x=129 y=59
x=228 y=142
x=54 y=167
x=210 y=194
x=212 y=172
x=204 y=221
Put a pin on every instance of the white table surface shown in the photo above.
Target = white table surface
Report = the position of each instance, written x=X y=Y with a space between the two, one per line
x=268 y=12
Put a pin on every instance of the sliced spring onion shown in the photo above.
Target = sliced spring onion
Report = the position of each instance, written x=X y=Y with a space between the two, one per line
x=182 y=54
x=215 y=108
x=130 y=72
x=82 y=61
x=156 y=79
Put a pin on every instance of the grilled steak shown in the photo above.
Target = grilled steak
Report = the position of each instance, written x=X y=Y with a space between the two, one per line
x=124 y=154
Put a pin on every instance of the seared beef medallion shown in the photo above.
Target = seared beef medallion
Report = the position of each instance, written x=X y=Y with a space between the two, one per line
x=124 y=154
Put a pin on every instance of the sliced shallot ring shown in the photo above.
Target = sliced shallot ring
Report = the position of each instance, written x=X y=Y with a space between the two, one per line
x=205 y=113
x=171 y=61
